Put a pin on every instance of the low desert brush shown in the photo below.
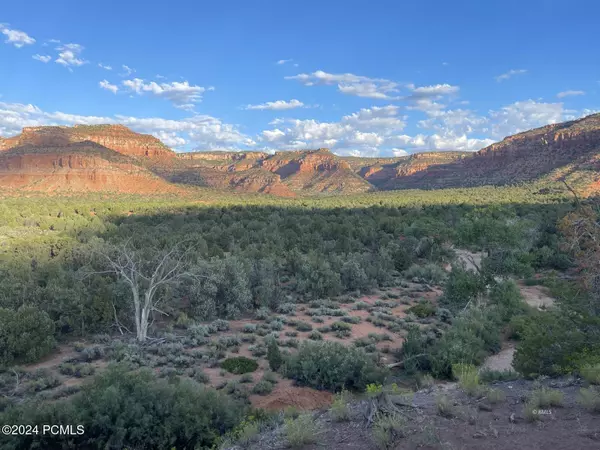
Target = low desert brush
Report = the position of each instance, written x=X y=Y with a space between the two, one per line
x=339 y=407
x=388 y=430
x=589 y=398
x=301 y=431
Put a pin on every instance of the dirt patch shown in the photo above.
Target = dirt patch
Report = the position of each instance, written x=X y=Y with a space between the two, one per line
x=471 y=260
x=63 y=353
x=536 y=296
x=502 y=360
x=471 y=425
x=286 y=395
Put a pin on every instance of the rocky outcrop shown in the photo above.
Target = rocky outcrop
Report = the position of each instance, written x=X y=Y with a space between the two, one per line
x=77 y=168
x=111 y=153
x=115 y=137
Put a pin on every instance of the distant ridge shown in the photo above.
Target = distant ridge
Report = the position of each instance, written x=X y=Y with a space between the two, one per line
x=114 y=158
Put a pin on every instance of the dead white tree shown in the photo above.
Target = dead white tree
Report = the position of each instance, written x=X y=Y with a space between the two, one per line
x=145 y=278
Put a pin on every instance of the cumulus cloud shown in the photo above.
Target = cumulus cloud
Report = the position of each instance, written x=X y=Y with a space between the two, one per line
x=126 y=71
x=183 y=95
x=284 y=61
x=348 y=83
x=510 y=74
x=69 y=55
x=277 y=105
x=199 y=131
x=362 y=133
x=378 y=130
x=525 y=115
x=104 y=84
x=570 y=94
x=16 y=37
x=42 y=58
x=105 y=67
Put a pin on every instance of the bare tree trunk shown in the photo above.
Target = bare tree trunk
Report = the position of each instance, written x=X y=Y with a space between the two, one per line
x=138 y=312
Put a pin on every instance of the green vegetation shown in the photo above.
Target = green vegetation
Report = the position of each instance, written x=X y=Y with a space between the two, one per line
x=332 y=366
x=276 y=261
x=26 y=334
x=301 y=431
x=274 y=355
x=239 y=365
x=183 y=414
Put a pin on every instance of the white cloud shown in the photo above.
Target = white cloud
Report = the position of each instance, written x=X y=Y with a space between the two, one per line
x=434 y=91
x=126 y=71
x=510 y=74
x=200 y=131
x=182 y=94
x=42 y=58
x=377 y=130
x=104 y=84
x=382 y=118
x=170 y=139
x=277 y=105
x=350 y=84
x=525 y=115
x=283 y=61
x=569 y=94
x=399 y=152
x=16 y=37
x=105 y=67
x=457 y=121
x=69 y=55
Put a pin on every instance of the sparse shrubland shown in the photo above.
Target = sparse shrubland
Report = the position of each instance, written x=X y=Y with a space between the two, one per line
x=276 y=262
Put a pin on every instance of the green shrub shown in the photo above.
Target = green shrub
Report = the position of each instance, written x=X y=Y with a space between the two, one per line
x=122 y=409
x=239 y=365
x=549 y=345
x=26 y=335
x=461 y=287
x=546 y=397
x=301 y=431
x=246 y=378
x=263 y=387
x=495 y=396
x=271 y=377
x=589 y=398
x=249 y=328
x=507 y=297
x=315 y=336
x=388 y=430
x=422 y=309
x=444 y=406
x=332 y=366
x=468 y=378
x=304 y=326
x=491 y=376
x=79 y=370
x=258 y=350
x=591 y=373
x=274 y=355
x=339 y=407
x=430 y=273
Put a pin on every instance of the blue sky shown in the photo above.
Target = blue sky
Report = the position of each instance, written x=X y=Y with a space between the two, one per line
x=364 y=78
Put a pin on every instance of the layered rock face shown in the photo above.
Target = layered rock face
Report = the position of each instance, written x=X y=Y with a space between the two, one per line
x=115 y=137
x=283 y=173
x=112 y=157
x=79 y=167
